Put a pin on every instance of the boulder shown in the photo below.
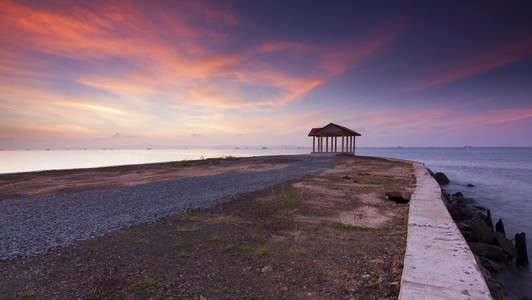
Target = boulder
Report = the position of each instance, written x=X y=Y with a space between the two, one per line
x=499 y=227
x=490 y=264
x=441 y=178
x=458 y=194
x=482 y=233
x=505 y=244
x=486 y=250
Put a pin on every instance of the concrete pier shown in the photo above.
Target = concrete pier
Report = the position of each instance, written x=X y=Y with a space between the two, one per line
x=438 y=262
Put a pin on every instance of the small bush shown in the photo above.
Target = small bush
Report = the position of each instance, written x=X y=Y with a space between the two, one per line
x=359 y=254
x=184 y=254
x=299 y=252
x=287 y=202
x=176 y=246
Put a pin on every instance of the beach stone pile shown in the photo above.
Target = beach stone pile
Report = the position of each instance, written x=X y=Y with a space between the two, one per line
x=36 y=225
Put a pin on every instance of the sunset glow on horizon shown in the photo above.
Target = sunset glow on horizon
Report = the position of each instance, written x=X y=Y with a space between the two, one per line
x=91 y=74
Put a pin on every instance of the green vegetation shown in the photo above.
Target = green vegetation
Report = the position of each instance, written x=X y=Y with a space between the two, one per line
x=245 y=248
x=187 y=217
x=183 y=254
x=228 y=248
x=342 y=226
x=299 y=252
x=28 y=293
x=261 y=252
x=371 y=181
x=227 y=290
x=188 y=229
x=144 y=284
x=176 y=246
x=359 y=254
x=287 y=202
x=216 y=238
x=142 y=241
x=388 y=178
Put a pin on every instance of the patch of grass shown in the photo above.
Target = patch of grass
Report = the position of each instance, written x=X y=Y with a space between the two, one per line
x=224 y=219
x=324 y=279
x=188 y=229
x=315 y=228
x=287 y=202
x=359 y=254
x=289 y=237
x=184 y=254
x=176 y=246
x=28 y=293
x=228 y=248
x=371 y=181
x=388 y=178
x=169 y=223
x=245 y=248
x=261 y=252
x=299 y=252
x=187 y=217
x=227 y=290
x=212 y=275
x=142 y=241
x=144 y=284
x=342 y=226
x=335 y=187
x=216 y=238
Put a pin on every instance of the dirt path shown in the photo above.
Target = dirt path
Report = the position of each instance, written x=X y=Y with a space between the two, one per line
x=333 y=235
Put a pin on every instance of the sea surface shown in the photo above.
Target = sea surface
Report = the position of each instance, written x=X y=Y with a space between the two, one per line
x=502 y=178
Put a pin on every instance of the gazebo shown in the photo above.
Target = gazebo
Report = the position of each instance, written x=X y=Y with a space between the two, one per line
x=333 y=131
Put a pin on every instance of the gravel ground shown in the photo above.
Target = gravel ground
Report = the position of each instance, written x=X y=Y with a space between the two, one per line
x=36 y=225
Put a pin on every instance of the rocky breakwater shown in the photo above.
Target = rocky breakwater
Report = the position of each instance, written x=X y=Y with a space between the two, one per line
x=489 y=244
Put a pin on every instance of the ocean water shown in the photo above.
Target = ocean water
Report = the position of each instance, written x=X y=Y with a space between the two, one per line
x=502 y=178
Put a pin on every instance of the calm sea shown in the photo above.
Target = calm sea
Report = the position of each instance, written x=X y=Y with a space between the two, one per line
x=502 y=178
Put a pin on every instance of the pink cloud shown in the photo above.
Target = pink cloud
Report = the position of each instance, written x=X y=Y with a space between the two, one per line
x=478 y=64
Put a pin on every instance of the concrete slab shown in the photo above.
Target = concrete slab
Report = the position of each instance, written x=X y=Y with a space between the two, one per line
x=438 y=262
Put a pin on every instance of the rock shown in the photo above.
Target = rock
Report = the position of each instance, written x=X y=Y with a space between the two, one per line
x=490 y=264
x=470 y=185
x=430 y=172
x=482 y=233
x=486 y=250
x=394 y=286
x=488 y=220
x=479 y=207
x=398 y=196
x=505 y=244
x=458 y=194
x=499 y=227
x=267 y=269
x=520 y=244
x=441 y=178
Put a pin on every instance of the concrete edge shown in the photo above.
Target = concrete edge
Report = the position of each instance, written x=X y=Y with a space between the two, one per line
x=438 y=262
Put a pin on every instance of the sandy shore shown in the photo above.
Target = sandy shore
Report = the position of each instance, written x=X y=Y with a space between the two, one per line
x=331 y=235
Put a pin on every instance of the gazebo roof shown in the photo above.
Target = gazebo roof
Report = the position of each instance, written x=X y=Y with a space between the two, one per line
x=331 y=127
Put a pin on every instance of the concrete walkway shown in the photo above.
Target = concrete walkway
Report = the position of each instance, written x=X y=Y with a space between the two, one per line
x=438 y=261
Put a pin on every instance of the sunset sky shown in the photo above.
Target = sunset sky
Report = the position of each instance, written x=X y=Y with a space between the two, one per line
x=90 y=74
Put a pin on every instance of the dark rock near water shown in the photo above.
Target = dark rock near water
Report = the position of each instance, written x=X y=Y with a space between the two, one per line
x=398 y=197
x=490 y=264
x=505 y=244
x=499 y=227
x=458 y=194
x=479 y=207
x=430 y=172
x=470 y=185
x=520 y=244
x=482 y=233
x=441 y=178
x=488 y=220
x=486 y=250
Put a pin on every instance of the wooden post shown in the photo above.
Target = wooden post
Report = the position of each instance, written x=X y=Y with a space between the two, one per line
x=342 y=142
x=354 y=144
x=335 y=144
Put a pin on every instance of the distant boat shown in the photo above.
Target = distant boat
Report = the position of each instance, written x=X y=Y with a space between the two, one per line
x=467 y=147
